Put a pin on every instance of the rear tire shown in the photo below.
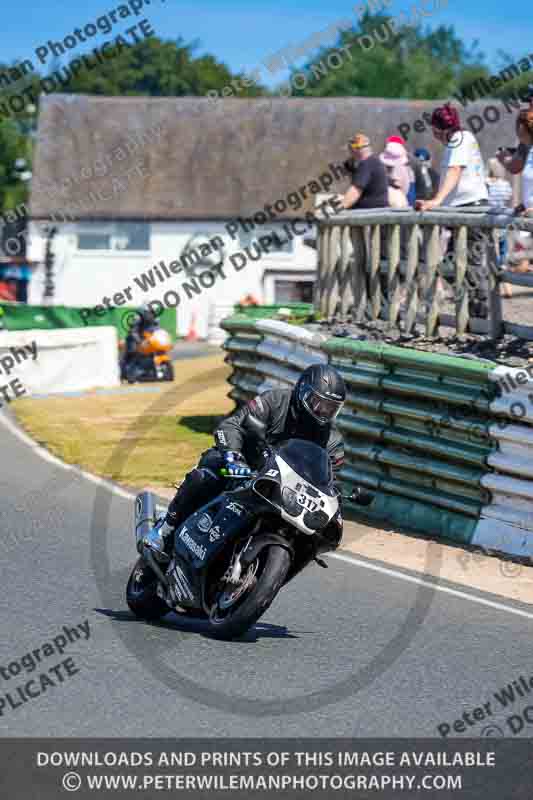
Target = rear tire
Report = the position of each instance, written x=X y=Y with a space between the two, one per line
x=141 y=595
x=272 y=568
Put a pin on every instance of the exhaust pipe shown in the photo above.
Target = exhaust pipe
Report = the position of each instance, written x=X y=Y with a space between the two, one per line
x=145 y=517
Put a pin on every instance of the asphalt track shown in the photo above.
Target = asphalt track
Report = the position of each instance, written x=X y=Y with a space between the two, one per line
x=351 y=651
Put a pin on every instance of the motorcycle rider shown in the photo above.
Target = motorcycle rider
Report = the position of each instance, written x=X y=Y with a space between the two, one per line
x=145 y=320
x=306 y=412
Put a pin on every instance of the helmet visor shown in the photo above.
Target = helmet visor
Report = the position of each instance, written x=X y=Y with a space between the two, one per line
x=322 y=409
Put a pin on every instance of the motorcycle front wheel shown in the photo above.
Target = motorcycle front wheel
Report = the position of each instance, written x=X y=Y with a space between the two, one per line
x=168 y=371
x=237 y=608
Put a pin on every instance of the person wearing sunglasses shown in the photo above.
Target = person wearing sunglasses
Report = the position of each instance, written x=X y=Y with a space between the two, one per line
x=369 y=185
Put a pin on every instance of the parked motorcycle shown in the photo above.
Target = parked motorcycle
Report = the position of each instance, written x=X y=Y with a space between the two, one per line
x=151 y=359
x=229 y=560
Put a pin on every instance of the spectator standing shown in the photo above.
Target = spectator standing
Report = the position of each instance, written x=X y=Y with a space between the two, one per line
x=410 y=192
x=521 y=162
x=499 y=188
x=369 y=187
x=500 y=197
x=397 y=197
x=426 y=178
x=395 y=157
x=462 y=185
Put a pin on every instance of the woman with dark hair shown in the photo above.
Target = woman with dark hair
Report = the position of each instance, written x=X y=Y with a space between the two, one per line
x=462 y=185
x=462 y=180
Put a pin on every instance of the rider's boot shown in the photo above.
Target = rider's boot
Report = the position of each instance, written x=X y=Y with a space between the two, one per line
x=199 y=486
x=158 y=539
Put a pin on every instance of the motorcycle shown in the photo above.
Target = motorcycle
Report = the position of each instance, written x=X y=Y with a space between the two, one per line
x=229 y=559
x=151 y=359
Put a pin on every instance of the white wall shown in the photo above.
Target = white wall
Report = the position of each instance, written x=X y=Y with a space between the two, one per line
x=85 y=278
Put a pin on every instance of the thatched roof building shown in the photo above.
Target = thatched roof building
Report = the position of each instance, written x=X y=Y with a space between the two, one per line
x=199 y=160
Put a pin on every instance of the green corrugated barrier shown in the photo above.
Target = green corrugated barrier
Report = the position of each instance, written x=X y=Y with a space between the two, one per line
x=416 y=429
x=21 y=317
x=299 y=311
x=415 y=424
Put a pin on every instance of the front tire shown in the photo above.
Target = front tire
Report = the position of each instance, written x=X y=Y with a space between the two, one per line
x=168 y=371
x=229 y=620
x=141 y=593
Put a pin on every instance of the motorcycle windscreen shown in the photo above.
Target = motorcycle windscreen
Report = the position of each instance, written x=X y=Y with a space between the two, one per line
x=310 y=461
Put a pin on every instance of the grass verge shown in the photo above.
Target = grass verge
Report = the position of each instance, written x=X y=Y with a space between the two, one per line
x=159 y=435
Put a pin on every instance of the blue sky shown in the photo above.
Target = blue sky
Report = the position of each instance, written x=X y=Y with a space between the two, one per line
x=242 y=32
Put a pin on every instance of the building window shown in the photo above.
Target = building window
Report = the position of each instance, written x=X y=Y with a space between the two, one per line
x=293 y=291
x=281 y=245
x=132 y=236
x=117 y=237
x=94 y=240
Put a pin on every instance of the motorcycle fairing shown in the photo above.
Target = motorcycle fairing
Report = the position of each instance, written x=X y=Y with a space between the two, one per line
x=202 y=537
x=310 y=499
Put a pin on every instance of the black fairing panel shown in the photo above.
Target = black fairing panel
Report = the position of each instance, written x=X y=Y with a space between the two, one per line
x=201 y=539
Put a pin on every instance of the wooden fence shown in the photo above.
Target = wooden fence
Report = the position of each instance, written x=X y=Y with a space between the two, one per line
x=388 y=263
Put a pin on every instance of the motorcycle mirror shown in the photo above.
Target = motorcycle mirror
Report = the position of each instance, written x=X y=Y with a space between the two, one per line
x=360 y=497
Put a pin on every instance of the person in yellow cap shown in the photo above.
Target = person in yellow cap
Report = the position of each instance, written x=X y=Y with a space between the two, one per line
x=370 y=184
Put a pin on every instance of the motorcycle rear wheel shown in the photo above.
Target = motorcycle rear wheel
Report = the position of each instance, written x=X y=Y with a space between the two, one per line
x=141 y=593
x=229 y=618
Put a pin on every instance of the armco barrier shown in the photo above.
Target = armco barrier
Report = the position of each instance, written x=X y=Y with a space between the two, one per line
x=427 y=433
x=266 y=353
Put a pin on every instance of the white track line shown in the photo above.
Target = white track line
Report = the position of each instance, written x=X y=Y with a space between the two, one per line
x=43 y=453
x=435 y=586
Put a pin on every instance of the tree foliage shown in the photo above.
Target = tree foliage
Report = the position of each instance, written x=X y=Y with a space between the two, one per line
x=13 y=145
x=157 y=69
x=151 y=67
x=382 y=59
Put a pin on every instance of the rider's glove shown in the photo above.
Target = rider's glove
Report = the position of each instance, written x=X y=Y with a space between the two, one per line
x=235 y=464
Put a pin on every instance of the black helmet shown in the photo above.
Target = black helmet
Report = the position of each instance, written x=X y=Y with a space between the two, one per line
x=147 y=315
x=320 y=392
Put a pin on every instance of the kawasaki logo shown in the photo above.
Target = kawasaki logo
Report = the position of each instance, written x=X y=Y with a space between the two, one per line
x=198 y=550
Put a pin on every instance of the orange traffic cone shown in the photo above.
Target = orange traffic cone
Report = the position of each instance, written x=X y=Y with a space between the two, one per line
x=192 y=335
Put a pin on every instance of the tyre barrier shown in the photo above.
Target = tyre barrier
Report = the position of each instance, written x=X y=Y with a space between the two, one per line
x=265 y=353
x=432 y=436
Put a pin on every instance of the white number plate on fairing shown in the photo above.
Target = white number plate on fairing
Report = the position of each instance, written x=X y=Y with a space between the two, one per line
x=306 y=501
x=289 y=478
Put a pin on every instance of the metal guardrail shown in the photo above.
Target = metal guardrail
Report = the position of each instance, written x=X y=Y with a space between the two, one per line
x=266 y=353
x=416 y=428
x=356 y=247
x=424 y=432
